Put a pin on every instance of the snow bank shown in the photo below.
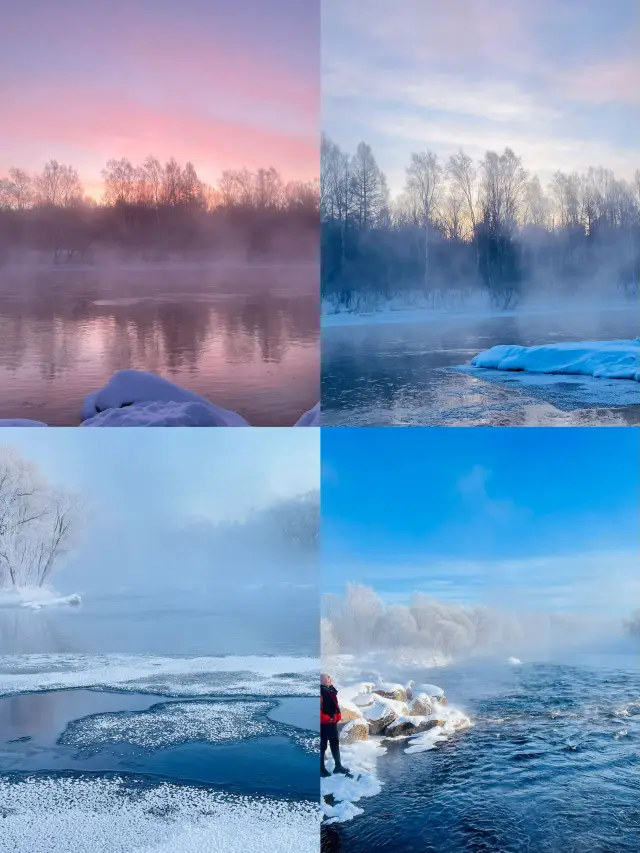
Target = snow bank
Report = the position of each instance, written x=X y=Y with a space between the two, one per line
x=36 y=597
x=135 y=388
x=600 y=359
x=55 y=815
x=168 y=676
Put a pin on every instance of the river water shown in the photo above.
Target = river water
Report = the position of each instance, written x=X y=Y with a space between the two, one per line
x=417 y=373
x=244 y=337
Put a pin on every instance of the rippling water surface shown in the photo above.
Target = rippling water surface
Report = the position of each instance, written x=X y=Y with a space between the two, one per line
x=551 y=764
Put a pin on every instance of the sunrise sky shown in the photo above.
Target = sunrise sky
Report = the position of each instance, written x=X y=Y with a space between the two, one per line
x=556 y=81
x=222 y=84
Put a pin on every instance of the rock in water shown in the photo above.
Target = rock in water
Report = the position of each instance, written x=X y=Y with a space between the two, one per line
x=404 y=726
x=379 y=716
x=354 y=730
x=420 y=706
x=349 y=714
x=391 y=691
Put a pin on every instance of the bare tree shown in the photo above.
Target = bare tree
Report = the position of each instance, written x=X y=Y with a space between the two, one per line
x=424 y=183
x=37 y=522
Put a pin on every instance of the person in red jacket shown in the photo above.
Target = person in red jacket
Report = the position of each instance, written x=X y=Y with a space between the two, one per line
x=329 y=718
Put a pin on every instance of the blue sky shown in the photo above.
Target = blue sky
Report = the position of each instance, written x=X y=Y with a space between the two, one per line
x=548 y=518
x=556 y=81
x=141 y=487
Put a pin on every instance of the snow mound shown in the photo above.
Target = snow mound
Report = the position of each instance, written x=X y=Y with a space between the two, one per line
x=600 y=359
x=168 y=676
x=56 y=815
x=514 y=661
x=164 y=415
x=21 y=422
x=174 y=723
x=310 y=418
x=129 y=388
x=36 y=598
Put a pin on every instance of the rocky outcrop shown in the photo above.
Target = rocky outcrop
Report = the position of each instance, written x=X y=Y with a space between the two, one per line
x=379 y=715
x=355 y=730
x=349 y=713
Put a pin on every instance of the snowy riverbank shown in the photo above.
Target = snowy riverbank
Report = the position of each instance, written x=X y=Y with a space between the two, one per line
x=135 y=398
x=374 y=713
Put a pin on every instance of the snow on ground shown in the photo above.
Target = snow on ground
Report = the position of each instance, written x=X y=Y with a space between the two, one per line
x=36 y=597
x=599 y=359
x=364 y=706
x=157 y=414
x=168 y=676
x=56 y=815
x=174 y=723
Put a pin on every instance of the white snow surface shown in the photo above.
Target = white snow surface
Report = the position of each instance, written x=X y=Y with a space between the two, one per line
x=130 y=389
x=169 y=676
x=617 y=359
x=360 y=757
x=514 y=661
x=36 y=597
x=105 y=816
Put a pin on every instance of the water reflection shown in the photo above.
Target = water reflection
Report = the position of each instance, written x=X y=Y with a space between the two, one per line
x=246 y=339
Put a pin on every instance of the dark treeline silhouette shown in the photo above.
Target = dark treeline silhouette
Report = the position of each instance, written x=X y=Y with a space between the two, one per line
x=156 y=212
x=461 y=226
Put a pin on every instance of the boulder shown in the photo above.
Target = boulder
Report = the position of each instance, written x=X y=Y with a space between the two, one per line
x=349 y=713
x=407 y=726
x=391 y=691
x=354 y=730
x=421 y=706
x=379 y=716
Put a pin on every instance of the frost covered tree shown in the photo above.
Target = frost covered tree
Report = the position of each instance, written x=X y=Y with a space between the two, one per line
x=37 y=522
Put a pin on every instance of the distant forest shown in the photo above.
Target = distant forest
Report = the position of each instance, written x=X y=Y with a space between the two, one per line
x=156 y=212
x=461 y=225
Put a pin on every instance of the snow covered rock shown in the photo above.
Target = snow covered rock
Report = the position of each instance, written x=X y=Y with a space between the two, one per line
x=421 y=706
x=129 y=388
x=354 y=730
x=391 y=691
x=430 y=691
x=382 y=713
x=21 y=422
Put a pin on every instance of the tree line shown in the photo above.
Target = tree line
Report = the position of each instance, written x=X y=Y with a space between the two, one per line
x=156 y=211
x=459 y=225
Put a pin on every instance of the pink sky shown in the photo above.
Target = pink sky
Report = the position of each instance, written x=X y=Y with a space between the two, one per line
x=224 y=88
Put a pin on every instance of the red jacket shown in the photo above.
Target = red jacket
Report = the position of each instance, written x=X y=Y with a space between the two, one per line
x=329 y=708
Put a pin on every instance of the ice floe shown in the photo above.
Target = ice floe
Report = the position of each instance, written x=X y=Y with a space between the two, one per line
x=36 y=598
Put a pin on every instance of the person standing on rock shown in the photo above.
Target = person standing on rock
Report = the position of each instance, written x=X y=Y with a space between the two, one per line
x=329 y=718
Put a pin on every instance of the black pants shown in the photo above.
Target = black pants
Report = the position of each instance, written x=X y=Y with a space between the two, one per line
x=329 y=736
